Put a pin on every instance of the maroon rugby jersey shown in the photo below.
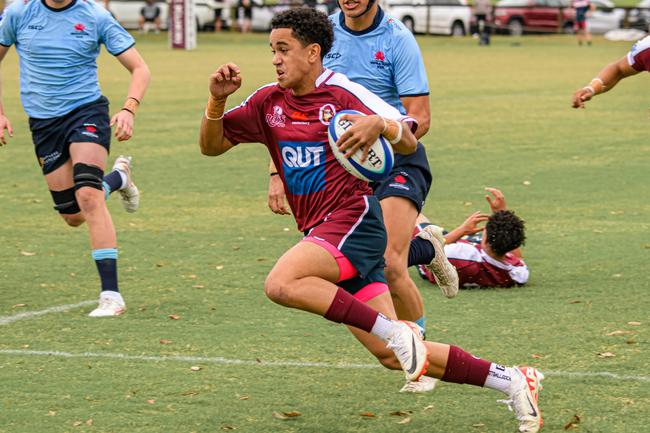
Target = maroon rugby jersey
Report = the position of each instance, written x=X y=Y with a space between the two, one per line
x=294 y=129
x=639 y=55
x=476 y=268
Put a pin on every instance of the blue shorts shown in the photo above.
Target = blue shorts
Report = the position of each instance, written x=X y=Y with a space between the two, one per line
x=356 y=234
x=410 y=178
x=89 y=123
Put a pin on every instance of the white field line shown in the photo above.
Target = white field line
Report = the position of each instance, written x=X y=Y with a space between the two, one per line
x=300 y=364
x=5 y=320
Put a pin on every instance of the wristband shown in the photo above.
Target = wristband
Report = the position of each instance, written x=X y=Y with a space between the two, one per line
x=597 y=84
x=131 y=105
x=392 y=131
x=127 y=110
x=215 y=108
x=275 y=173
x=591 y=89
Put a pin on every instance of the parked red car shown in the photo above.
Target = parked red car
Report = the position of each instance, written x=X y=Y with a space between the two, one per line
x=519 y=16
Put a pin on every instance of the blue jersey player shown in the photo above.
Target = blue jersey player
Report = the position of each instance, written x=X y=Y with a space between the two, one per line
x=377 y=51
x=58 y=42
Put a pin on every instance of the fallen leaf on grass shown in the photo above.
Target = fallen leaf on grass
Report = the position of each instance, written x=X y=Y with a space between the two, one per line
x=400 y=413
x=152 y=401
x=198 y=286
x=428 y=407
x=367 y=414
x=89 y=422
x=77 y=423
x=175 y=317
x=619 y=332
x=536 y=356
x=478 y=424
x=634 y=323
x=573 y=422
x=163 y=341
x=189 y=393
x=606 y=355
x=220 y=267
x=630 y=341
x=575 y=301
x=27 y=253
x=18 y=305
x=228 y=427
x=278 y=415
x=195 y=368
x=51 y=413
x=526 y=182
x=405 y=420
x=292 y=414
x=244 y=397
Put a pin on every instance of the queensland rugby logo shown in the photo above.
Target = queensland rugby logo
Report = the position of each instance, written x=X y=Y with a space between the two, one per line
x=326 y=113
x=277 y=118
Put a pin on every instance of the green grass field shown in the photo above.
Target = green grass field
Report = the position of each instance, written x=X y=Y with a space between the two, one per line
x=203 y=241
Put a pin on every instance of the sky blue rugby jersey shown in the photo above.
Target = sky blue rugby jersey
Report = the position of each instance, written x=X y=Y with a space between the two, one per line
x=385 y=58
x=58 y=52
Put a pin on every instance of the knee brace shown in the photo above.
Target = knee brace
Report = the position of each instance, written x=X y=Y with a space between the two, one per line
x=87 y=175
x=65 y=201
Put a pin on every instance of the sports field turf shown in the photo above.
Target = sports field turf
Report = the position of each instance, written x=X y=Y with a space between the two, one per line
x=200 y=246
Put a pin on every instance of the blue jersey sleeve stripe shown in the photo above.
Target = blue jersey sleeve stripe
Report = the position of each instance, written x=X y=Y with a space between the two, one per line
x=124 y=50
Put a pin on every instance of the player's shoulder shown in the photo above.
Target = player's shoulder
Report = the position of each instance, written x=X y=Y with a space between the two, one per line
x=18 y=7
x=340 y=82
x=395 y=28
x=640 y=46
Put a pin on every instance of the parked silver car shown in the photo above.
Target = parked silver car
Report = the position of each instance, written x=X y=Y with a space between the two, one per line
x=446 y=17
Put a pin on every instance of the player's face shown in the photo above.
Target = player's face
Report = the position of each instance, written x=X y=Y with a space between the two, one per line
x=353 y=8
x=293 y=62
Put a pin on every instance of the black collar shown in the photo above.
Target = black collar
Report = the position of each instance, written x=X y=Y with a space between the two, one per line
x=373 y=26
x=72 y=3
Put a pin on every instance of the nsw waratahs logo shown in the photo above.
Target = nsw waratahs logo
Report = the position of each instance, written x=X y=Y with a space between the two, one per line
x=379 y=60
x=79 y=30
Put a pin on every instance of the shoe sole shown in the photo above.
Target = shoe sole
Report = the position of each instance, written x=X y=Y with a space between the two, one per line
x=415 y=329
x=448 y=292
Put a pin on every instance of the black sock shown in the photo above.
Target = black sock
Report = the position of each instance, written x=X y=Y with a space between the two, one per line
x=107 y=269
x=421 y=252
x=113 y=180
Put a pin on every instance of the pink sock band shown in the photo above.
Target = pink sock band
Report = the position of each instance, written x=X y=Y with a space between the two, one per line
x=370 y=291
x=346 y=269
x=465 y=368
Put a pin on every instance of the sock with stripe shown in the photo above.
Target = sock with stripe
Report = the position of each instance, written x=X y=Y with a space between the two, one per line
x=106 y=261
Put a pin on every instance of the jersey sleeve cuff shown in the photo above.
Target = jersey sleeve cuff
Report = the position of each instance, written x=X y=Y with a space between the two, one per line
x=124 y=50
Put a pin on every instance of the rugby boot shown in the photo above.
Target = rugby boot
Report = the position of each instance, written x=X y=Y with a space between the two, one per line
x=423 y=384
x=443 y=271
x=110 y=304
x=524 y=398
x=409 y=349
x=129 y=193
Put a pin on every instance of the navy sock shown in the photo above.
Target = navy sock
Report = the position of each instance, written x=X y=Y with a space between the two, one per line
x=421 y=252
x=106 y=261
x=113 y=180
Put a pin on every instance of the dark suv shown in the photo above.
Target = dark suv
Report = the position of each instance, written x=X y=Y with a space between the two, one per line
x=517 y=16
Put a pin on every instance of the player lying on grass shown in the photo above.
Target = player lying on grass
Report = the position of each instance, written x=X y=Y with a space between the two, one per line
x=488 y=256
x=637 y=60
x=336 y=271
x=58 y=42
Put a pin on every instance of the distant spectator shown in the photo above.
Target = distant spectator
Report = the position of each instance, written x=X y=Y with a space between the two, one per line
x=218 y=20
x=245 y=13
x=582 y=8
x=149 y=14
x=483 y=10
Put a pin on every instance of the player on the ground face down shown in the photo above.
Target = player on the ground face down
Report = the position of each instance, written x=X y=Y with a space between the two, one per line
x=487 y=256
x=637 y=60
x=337 y=270
x=378 y=52
x=58 y=42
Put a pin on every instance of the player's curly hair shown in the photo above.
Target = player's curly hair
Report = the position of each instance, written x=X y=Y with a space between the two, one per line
x=505 y=232
x=308 y=25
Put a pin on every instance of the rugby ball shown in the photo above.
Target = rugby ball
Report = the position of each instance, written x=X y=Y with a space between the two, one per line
x=379 y=162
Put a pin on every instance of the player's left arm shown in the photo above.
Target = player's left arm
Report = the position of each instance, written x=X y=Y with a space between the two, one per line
x=418 y=107
x=140 y=76
x=606 y=79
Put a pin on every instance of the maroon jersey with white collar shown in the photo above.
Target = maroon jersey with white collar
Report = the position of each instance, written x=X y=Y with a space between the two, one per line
x=639 y=55
x=294 y=129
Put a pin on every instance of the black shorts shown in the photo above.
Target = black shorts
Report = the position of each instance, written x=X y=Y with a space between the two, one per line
x=410 y=178
x=89 y=123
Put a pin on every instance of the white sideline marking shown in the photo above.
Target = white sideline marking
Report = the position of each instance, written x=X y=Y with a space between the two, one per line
x=5 y=320
x=304 y=364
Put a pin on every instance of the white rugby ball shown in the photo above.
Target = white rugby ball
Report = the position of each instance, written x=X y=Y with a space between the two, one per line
x=379 y=162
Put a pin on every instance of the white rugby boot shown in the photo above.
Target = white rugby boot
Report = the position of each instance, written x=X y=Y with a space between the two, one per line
x=445 y=272
x=409 y=349
x=110 y=304
x=423 y=384
x=130 y=194
x=524 y=397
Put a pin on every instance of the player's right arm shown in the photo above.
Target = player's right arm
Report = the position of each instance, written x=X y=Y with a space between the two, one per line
x=7 y=39
x=468 y=227
x=603 y=82
x=223 y=83
x=4 y=121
